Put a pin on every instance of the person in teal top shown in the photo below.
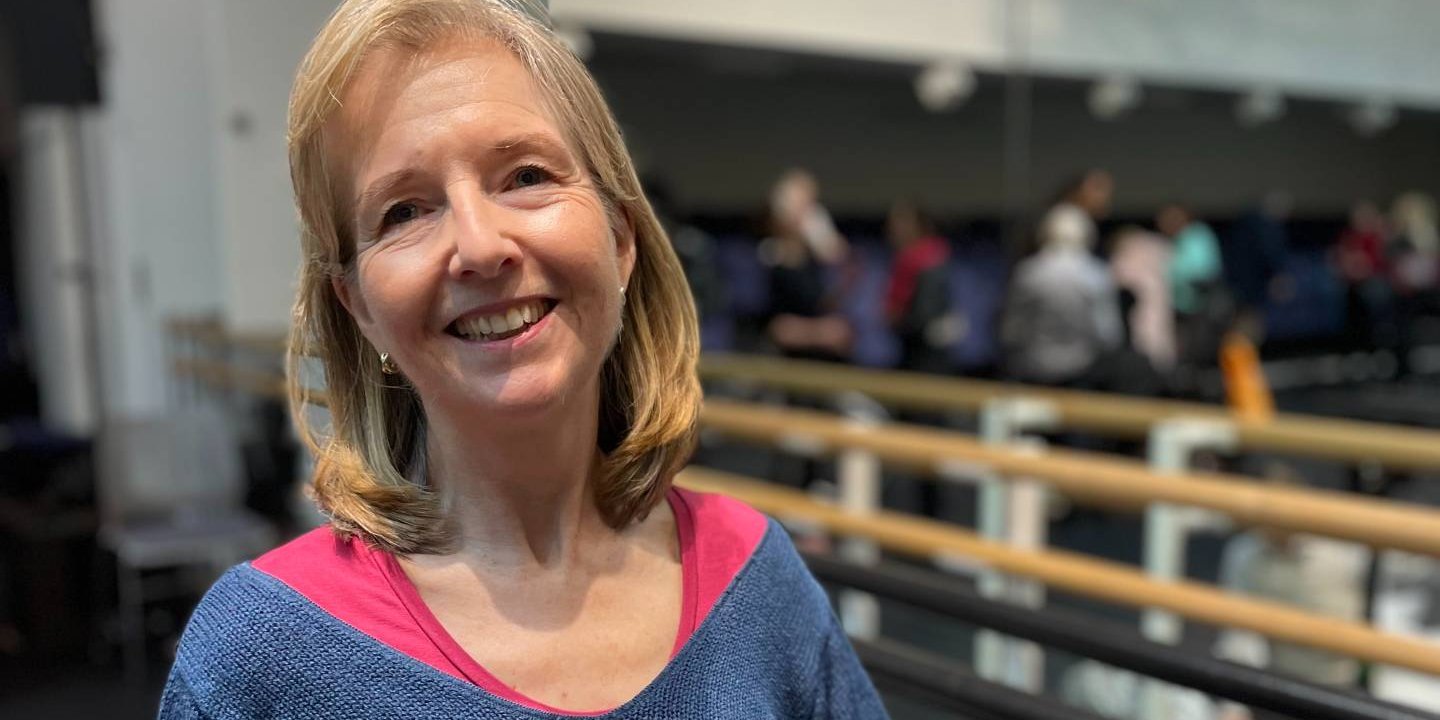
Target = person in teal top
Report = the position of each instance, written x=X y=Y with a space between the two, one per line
x=1195 y=260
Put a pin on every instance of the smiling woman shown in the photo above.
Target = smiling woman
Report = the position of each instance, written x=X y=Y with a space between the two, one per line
x=509 y=348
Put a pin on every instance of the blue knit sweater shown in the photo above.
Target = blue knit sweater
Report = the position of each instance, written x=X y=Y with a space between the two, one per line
x=770 y=648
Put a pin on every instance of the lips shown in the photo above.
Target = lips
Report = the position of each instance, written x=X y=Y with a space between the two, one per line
x=503 y=324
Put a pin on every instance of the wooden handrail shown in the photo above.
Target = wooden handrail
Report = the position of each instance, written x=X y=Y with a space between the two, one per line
x=1078 y=574
x=1105 y=414
x=212 y=333
x=225 y=375
x=1090 y=477
x=1087 y=477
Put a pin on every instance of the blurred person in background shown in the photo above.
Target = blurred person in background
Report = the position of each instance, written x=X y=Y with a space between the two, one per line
x=1415 y=243
x=804 y=254
x=509 y=350
x=1360 y=260
x=1324 y=576
x=1062 y=312
x=1197 y=290
x=1414 y=251
x=917 y=296
x=1140 y=264
x=1255 y=262
x=1087 y=198
x=1247 y=391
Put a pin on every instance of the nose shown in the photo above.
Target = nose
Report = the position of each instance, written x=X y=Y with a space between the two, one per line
x=484 y=245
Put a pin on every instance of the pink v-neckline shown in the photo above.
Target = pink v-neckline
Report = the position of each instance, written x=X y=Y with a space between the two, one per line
x=476 y=673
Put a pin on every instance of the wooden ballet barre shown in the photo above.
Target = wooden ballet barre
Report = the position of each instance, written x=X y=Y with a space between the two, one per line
x=1105 y=414
x=1089 y=477
x=227 y=376
x=211 y=333
x=1102 y=580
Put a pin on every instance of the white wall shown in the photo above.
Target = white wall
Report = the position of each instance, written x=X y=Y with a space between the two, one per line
x=906 y=30
x=156 y=222
x=259 y=44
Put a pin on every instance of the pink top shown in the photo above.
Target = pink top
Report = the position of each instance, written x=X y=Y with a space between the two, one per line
x=367 y=589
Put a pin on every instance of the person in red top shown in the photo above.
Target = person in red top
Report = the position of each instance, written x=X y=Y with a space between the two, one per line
x=917 y=299
x=1361 y=261
x=1361 y=254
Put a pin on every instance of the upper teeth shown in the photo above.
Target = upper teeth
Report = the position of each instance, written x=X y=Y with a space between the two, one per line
x=499 y=323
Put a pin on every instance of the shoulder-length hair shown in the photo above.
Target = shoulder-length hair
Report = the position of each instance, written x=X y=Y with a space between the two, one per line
x=370 y=461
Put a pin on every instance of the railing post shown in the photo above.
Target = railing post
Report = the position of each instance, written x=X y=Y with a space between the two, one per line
x=1014 y=512
x=859 y=476
x=1172 y=444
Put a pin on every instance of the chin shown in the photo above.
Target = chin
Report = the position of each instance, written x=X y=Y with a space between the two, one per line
x=524 y=394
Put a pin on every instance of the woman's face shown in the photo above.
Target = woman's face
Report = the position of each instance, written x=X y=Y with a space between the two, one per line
x=486 y=264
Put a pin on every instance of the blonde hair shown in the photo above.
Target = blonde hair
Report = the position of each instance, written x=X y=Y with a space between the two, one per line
x=370 y=465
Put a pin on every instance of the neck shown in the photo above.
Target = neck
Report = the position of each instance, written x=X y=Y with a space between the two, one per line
x=519 y=492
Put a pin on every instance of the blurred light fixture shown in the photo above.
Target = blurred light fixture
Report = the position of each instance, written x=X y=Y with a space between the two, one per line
x=944 y=86
x=1373 y=117
x=1113 y=96
x=577 y=39
x=1260 y=106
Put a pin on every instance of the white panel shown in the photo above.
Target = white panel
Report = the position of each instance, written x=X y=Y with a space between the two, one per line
x=1324 y=48
x=905 y=30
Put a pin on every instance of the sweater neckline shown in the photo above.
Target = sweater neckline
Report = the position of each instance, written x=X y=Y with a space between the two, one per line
x=477 y=674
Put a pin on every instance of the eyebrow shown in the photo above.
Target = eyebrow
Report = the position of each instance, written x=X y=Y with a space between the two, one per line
x=510 y=146
x=531 y=141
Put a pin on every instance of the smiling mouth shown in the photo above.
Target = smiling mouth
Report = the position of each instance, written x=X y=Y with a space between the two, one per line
x=501 y=326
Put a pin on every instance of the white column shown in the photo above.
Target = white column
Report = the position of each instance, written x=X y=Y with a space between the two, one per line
x=1167 y=528
x=1015 y=512
x=57 y=269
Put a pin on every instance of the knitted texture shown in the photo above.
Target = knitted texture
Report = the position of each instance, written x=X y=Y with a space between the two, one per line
x=770 y=648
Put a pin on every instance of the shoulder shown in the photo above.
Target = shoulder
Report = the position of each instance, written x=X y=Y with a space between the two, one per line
x=257 y=648
x=776 y=635
x=242 y=596
x=325 y=568
x=246 y=622
x=345 y=578
x=271 y=606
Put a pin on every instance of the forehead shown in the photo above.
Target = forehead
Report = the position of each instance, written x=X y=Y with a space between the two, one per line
x=400 y=96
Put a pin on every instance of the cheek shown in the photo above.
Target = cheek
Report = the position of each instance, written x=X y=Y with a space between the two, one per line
x=396 y=288
x=580 y=245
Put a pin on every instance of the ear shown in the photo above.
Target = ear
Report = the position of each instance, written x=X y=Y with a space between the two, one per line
x=625 y=246
x=353 y=300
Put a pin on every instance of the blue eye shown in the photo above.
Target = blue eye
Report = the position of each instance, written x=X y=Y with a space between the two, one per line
x=530 y=175
x=399 y=213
